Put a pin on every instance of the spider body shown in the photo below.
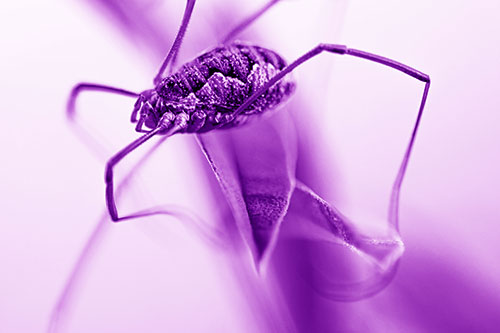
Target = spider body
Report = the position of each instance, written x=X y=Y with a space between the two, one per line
x=207 y=90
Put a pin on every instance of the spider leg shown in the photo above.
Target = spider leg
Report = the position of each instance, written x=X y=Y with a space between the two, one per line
x=342 y=49
x=336 y=49
x=84 y=86
x=174 y=49
x=166 y=127
x=249 y=20
x=84 y=136
x=110 y=198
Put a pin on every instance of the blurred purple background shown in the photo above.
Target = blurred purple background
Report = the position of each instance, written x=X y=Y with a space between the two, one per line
x=158 y=275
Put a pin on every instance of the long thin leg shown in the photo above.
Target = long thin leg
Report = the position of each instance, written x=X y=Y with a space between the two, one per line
x=110 y=199
x=341 y=49
x=172 y=54
x=394 y=204
x=337 y=49
x=249 y=20
x=83 y=86
x=80 y=131
x=166 y=127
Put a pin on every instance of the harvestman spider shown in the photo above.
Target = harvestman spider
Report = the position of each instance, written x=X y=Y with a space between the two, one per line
x=221 y=89
x=256 y=85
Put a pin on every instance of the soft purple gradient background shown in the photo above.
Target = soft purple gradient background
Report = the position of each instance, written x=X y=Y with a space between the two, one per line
x=158 y=273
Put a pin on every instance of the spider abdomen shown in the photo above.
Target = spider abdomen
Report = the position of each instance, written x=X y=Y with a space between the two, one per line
x=219 y=81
